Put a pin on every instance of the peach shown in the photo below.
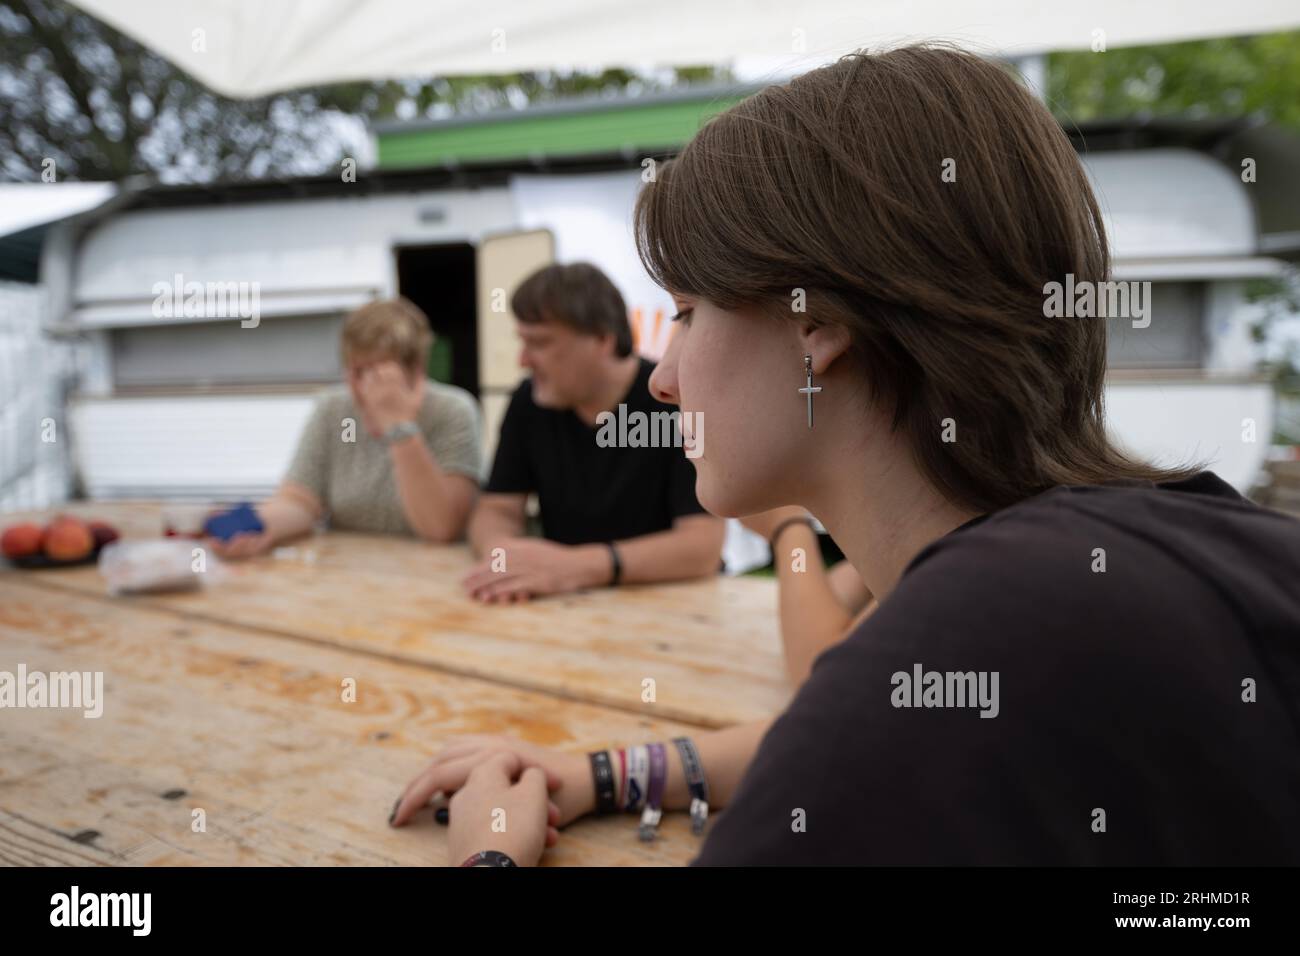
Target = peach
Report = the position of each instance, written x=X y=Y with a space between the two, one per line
x=67 y=539
x=21 y=540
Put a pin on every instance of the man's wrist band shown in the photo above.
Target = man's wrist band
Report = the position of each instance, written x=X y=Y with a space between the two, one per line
x=602 y=775
x=695 y=783
x=801 y=519
x=489 y=858
x=616 y=575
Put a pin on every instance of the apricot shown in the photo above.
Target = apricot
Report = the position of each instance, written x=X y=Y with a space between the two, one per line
x=21 y=540
x=67 y=539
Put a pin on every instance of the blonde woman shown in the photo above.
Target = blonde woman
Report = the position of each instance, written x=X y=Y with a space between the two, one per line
x=389 y=451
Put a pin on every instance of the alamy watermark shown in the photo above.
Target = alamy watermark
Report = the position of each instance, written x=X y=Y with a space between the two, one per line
x=1098 y=300
x=922 y=688
x=639 y=429
x=179 y=299
x=58 y=689
x=75 y=908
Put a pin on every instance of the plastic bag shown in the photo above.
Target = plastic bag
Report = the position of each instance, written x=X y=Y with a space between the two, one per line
x=167 y=564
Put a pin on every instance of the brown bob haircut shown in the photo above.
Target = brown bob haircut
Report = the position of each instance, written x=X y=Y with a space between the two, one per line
x=832 y=183
x=577 y=295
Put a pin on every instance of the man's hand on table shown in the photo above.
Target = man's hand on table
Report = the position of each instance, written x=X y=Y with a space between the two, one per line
x=532 y=567
x=486 y=773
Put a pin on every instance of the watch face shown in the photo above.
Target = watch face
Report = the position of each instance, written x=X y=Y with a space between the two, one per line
x=491 y=858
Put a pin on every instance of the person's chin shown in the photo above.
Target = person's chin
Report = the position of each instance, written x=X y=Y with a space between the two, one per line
x=729 y=499
x=712 y=499
x=545 y=398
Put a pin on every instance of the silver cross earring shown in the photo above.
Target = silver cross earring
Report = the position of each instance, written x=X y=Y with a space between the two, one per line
x=809 y=389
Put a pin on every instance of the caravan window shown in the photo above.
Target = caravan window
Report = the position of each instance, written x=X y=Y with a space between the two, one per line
x=1174 y=339
x=281 y=350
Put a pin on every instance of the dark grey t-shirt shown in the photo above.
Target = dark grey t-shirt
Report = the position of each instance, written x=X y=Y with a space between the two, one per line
x=1147 y=713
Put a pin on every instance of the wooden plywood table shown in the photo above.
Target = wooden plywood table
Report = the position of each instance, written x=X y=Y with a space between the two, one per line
x=229 y=700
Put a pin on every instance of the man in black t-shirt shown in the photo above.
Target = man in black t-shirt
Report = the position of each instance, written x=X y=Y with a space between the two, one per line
x=615 y=487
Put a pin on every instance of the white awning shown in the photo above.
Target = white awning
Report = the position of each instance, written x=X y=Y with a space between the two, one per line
x=26 y=205
x=246 y=48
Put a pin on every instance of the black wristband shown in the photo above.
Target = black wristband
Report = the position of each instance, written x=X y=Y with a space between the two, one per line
x=616 y=562
x=800 y=519
x=602 y=775
x=695 y=783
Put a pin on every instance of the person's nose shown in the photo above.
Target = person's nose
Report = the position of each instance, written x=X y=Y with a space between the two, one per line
x=663 y=380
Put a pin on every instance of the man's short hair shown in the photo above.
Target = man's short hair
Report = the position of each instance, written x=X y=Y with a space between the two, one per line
x=392 y=329
x=577 y=295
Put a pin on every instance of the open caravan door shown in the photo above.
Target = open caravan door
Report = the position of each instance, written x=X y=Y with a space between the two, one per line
x=504 y=261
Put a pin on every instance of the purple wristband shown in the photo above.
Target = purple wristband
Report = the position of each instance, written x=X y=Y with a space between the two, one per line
x=655 y=792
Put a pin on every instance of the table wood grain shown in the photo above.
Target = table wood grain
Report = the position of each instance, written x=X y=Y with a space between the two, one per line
x=711 y=647
x=230 y=700
x=254 y=730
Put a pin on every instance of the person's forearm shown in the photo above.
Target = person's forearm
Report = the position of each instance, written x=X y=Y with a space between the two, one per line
x=848 y=587
x=690 y=551
x=285 y=516
x=436 y=504
x=489 y=527
x=725 y=755
x=812 y=617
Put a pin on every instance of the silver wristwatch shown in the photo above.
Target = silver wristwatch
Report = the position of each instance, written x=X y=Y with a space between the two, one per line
x=400 y=431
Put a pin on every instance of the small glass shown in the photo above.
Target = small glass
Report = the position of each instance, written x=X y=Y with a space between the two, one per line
x=185 y=520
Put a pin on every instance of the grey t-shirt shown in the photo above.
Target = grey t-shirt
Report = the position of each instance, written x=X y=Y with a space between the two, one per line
x=350 y=471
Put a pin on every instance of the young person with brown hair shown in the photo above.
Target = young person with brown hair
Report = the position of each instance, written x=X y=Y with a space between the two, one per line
x=1124 y=638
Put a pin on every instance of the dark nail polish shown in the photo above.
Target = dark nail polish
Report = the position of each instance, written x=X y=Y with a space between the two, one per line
x=393 y=815
x=441 y=815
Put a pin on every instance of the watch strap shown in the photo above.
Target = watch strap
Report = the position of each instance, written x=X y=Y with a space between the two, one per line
x=400 y=431
x=489 y=858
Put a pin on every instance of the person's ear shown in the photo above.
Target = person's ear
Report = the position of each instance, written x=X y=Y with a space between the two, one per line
x=825 y=343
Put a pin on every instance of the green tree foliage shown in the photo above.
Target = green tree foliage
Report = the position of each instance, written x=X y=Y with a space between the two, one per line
x=103 y=107
x=1228 y=76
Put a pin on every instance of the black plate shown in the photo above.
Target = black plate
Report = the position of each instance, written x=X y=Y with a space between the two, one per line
x=36 y=562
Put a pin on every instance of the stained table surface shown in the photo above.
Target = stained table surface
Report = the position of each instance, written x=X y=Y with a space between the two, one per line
x=228 y=706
